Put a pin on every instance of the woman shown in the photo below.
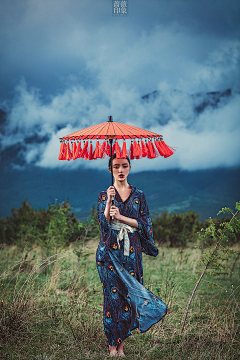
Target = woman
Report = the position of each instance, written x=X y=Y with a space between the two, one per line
x=127 y=303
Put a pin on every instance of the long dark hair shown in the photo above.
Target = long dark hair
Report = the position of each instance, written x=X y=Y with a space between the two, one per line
x=114 y=157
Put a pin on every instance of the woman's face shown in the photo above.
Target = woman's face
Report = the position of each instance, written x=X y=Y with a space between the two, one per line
x=121 y=169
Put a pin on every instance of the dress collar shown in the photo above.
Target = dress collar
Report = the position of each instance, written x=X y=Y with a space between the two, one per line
x=117 y=194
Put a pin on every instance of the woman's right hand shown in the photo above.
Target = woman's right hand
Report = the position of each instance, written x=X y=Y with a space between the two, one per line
x=110 y=193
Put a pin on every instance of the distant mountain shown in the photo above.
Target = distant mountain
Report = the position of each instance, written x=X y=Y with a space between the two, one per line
x=211 y=99
x=205 y=192
x=196 y=102
x=201 y=100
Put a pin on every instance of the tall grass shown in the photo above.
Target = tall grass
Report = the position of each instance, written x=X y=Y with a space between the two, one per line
x=44 y=317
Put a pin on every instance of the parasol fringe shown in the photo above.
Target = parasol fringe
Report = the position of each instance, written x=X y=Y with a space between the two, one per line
x=156 y=154
x=139 y=151
x=62 y=152
x=84 y=151
x=170 y=150
x=165 y=149
x=114 y=148
x=149 y=155
x=78 y=151
x=144 y=149
x=69 y=155
x=96 y=151
x=74 y=148
x=135 y=149
x=124 y=150
x=162 y=148
x=159 y=147
x=102 y=151
x=118 y=150
x=151 y=148
x=131 y=152
x=108 y=150
x=90 y=154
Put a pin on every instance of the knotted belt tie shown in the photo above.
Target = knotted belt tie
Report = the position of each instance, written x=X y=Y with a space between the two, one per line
x=123 y=234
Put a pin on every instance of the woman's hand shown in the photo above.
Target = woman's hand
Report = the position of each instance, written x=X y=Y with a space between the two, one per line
x=114 y=213
x=110 y=194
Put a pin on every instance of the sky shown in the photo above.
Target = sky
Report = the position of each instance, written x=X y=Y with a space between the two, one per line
x=69 y=64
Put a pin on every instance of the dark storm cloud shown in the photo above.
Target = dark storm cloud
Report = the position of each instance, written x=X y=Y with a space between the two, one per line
x=47 y=41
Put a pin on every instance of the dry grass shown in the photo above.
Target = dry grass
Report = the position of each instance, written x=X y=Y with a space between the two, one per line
x=42 y=318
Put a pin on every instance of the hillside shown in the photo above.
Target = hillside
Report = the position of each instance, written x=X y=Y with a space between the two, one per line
x=205 y=192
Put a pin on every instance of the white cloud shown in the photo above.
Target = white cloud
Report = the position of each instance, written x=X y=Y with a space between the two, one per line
x=206 y=140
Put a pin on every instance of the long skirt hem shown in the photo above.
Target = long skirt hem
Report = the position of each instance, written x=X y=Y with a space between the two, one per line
x=127 y=303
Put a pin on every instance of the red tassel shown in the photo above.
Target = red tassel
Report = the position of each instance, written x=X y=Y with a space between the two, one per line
x=97 y=150
x=150 y=153
x=90 y=155
x=150 y=150
x=118 y=151
x=168 y=150
x=139 y=151
x=86 y=154
x=165 y=150
x=114 y=148
x=135 y=149
x=144 y=149
x=155 y=152
x=78 y=151
x=84 y=151
x=69 y=155
x=158 y=146
x=108 y=150
x=124 y=150
x=62 y=152
x=162 y=150
x=74 y=148
x=131 y=151
x=102 y=151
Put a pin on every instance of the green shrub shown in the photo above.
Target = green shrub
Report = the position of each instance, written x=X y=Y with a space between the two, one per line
x=176 y=229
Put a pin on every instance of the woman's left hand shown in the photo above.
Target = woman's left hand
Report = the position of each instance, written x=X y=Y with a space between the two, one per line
x=114 y=212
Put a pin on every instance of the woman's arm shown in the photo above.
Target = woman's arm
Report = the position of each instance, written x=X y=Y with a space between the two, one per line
x=106 y=211
x=114 y=211
x=129 y=221
x=110 y=196
x=101 y=206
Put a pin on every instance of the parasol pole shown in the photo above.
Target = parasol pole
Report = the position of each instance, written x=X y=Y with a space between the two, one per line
x=111 y=141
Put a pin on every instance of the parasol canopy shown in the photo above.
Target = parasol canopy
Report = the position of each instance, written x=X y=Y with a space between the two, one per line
x=144 y=143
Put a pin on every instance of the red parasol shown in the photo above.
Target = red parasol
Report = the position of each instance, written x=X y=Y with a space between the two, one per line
x=152 y=147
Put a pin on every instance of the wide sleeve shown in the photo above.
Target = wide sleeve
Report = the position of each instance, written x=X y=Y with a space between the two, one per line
x=101 y=204
x=145 y=228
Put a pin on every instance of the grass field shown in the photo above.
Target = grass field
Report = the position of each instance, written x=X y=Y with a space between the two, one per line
x=42 y=317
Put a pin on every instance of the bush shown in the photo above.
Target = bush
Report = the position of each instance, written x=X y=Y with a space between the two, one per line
x=37 y=226
x=176 y=229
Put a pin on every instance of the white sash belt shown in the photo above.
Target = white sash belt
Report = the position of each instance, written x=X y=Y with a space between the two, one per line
x=123 y=234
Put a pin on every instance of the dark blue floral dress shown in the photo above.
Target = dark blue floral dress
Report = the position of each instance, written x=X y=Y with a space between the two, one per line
x=127 y=303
